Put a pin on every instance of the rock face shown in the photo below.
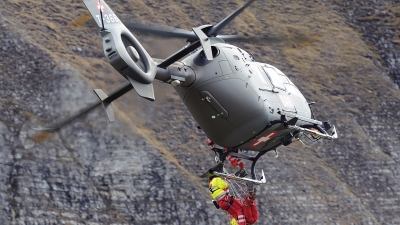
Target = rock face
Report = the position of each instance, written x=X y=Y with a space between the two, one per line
x=378 y=23
x=143 y=169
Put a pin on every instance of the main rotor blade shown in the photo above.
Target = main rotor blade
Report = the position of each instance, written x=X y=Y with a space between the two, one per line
x=163 y=31
x=57 y=124
x=179 y=54
x=115 y=93
x=252 y=39
x=171 y=32
x=217 y=28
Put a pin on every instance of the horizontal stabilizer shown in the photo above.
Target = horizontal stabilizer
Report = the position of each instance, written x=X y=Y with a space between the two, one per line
x=106 y=100
x=144 y=90
x=106 y=104
x=100 y=94
x=109 y=111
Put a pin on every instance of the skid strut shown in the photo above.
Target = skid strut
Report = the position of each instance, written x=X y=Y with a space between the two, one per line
x=223 y=154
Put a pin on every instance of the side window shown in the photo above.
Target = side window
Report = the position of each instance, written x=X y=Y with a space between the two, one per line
x=274 y=77
x=283 y=77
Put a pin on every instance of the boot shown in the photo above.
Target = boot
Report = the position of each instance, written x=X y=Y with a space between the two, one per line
x=215 y=204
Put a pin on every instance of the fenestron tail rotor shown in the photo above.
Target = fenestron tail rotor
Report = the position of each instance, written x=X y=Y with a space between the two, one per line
x=122 y=50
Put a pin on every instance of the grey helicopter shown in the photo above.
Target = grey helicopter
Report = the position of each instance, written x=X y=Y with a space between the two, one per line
x=237 y=102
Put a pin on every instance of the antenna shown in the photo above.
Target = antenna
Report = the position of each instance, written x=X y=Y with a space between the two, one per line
x=101 y=16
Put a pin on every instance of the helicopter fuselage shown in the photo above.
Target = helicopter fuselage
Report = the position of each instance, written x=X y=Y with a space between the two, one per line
x=239 y=103
x=236 y=100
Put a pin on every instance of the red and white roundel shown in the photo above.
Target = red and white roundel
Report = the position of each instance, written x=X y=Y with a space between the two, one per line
x=265 y=138
x=100 y=6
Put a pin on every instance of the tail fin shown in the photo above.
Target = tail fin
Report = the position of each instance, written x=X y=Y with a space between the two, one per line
x=123 y=50
x=106 y=104
x=99 y=9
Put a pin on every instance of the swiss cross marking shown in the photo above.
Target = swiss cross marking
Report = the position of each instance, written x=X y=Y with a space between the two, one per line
x=265 y=138
x=100 y=7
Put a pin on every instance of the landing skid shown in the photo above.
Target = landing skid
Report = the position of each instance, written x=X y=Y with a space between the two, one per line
x=218 y=171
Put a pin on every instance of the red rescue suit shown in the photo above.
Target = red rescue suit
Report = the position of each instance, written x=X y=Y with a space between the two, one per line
x=250 y=210
x=233 y=207
x=234 y=161
x=242 y=213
